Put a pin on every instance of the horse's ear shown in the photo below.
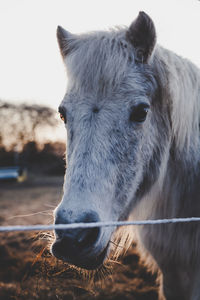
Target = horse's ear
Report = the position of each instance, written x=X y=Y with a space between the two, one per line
x=142 y=35
x=64 y=37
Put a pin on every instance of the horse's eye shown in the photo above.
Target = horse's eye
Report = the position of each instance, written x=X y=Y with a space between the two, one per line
x=139 y=113
x=63 y=118
x=62 y=113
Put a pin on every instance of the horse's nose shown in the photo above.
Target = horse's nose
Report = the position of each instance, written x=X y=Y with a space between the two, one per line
x=70 y=243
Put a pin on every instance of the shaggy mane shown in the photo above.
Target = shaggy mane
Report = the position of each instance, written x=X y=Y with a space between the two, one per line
x=98 y=61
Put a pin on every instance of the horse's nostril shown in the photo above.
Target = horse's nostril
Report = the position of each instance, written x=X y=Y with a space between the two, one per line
x=80 y=237
x=88 y=237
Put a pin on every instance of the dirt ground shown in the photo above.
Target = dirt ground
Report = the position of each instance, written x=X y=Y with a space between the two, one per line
x=27 y=269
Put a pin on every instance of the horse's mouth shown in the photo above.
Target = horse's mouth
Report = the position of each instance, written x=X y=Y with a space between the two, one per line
x=78 y=260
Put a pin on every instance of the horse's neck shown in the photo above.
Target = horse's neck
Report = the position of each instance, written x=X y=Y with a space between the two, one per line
x=180 y=193
x=176 y=193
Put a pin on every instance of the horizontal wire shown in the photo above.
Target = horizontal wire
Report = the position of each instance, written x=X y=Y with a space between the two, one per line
x=96 y=224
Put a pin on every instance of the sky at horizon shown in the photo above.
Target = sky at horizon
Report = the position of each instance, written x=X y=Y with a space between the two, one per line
x=31 y=68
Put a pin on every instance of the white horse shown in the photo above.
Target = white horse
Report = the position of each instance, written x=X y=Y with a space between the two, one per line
x=131 y=112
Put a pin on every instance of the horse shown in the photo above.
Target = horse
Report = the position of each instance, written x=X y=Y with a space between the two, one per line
x=131 y=112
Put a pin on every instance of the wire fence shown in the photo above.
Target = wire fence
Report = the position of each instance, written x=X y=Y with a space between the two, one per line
x=40 y=227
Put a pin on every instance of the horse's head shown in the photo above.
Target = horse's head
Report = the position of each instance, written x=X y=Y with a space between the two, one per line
x=110 y=113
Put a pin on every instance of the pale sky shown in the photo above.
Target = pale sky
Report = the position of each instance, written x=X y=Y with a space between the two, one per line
x=31 y=68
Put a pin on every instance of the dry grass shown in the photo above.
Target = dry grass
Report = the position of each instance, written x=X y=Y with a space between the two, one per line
x=28 y=271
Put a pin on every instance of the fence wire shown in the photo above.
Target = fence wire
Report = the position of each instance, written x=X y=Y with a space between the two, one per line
x=40 y=227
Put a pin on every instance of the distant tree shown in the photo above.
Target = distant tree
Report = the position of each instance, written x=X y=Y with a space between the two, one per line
x=19 y=124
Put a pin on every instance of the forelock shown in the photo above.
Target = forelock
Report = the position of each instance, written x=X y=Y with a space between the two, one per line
x=98 y=61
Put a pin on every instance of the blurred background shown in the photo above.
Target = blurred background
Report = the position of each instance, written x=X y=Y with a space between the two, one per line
x=30 y=139
x=32 y=74
x=33 y=138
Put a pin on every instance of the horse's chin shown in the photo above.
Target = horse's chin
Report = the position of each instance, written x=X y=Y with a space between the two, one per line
x=83 y=262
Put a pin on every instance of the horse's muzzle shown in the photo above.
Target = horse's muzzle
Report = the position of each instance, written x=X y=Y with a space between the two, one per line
x=79 y=246
x=71 y=254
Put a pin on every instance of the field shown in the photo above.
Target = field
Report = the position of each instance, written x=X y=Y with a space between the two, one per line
x=27 y=269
